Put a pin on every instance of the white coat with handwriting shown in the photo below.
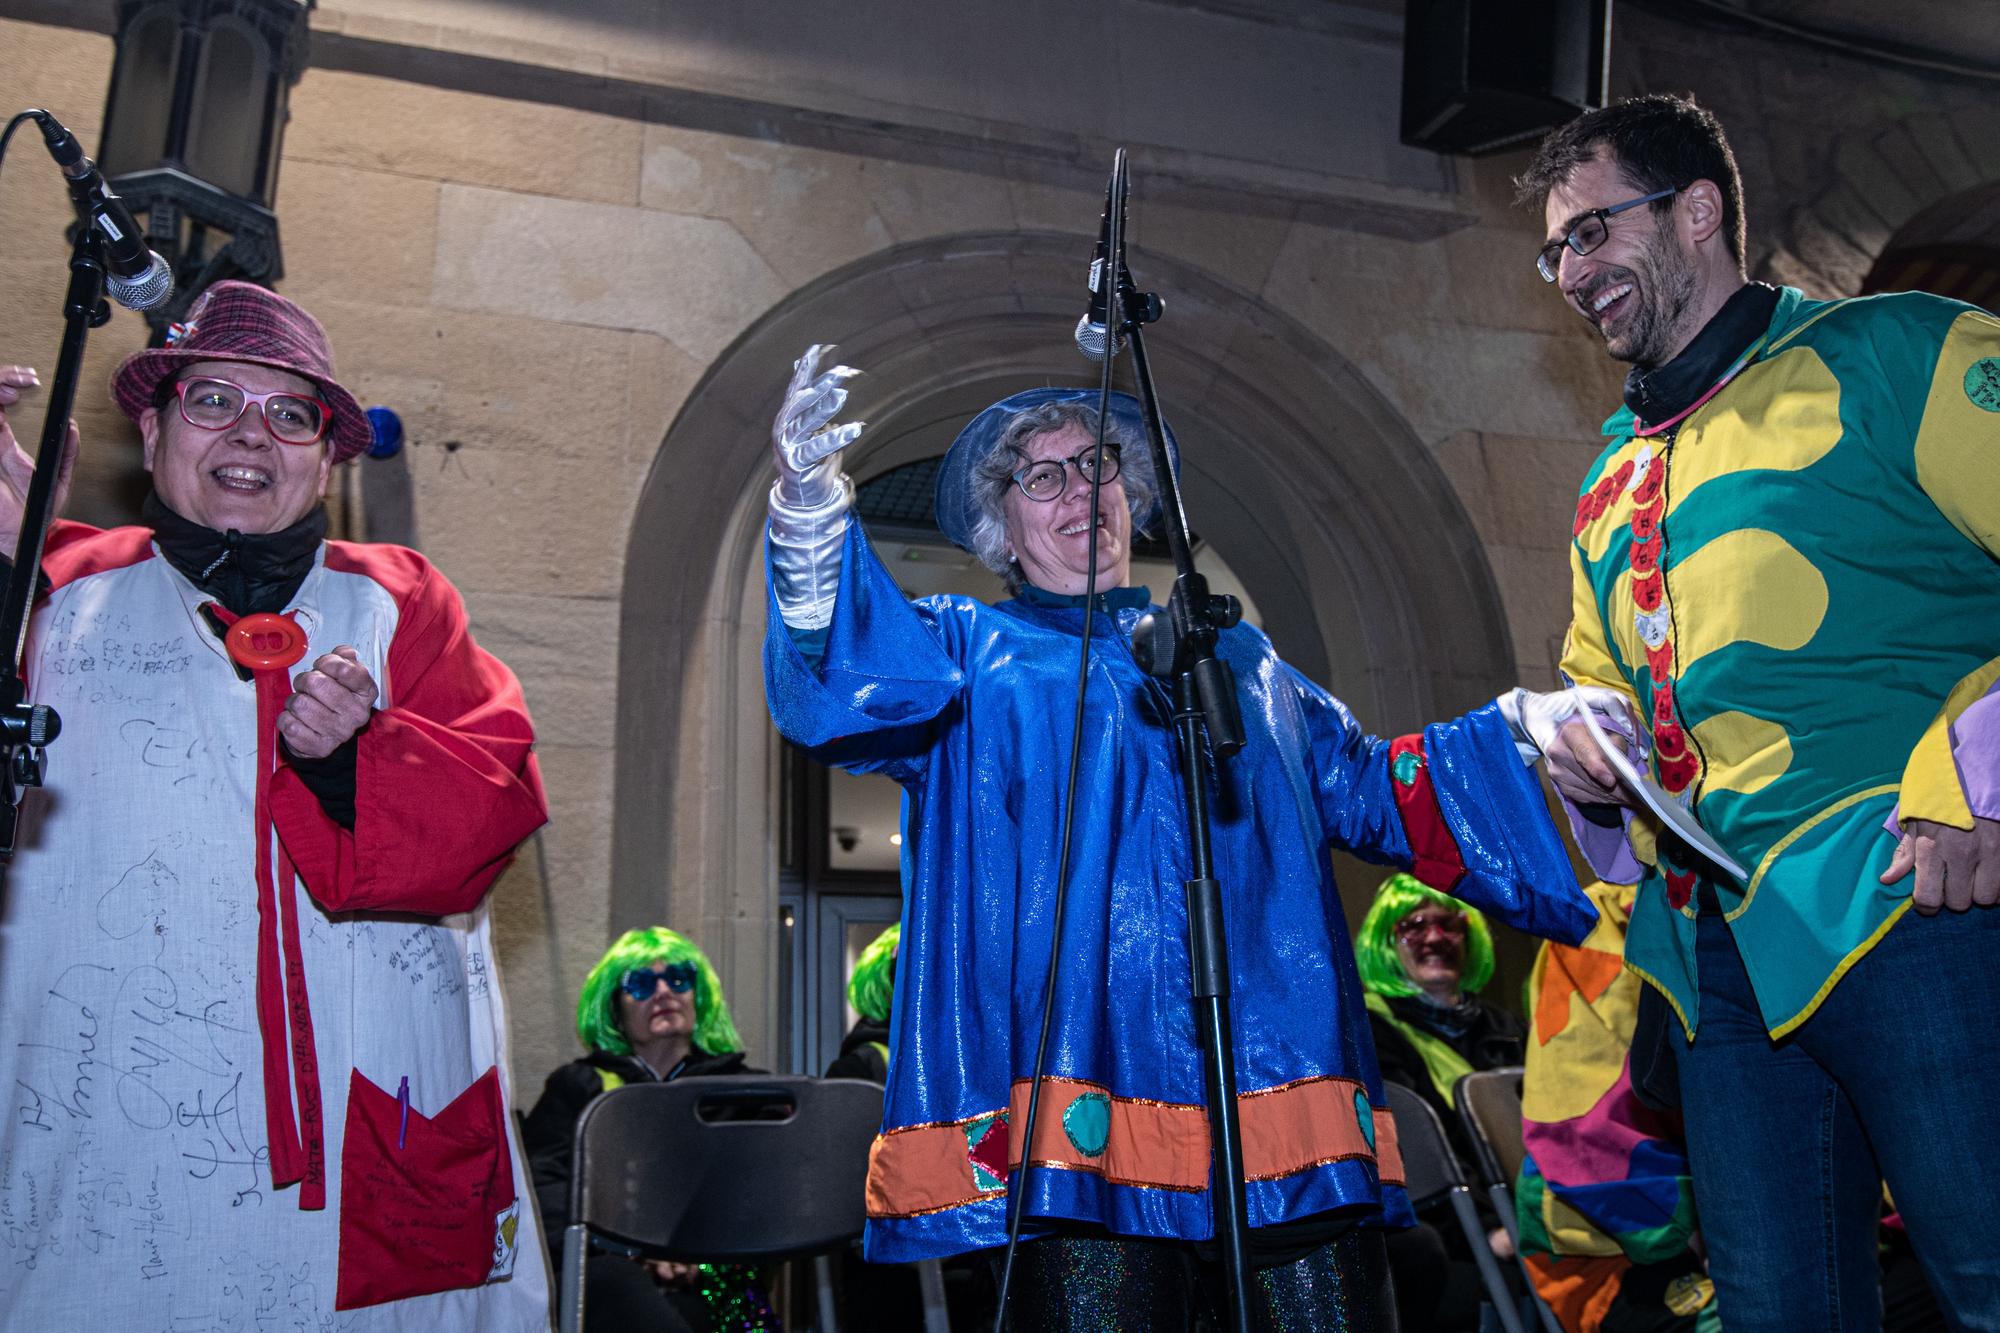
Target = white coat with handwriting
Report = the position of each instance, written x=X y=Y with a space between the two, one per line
x=136 y=1157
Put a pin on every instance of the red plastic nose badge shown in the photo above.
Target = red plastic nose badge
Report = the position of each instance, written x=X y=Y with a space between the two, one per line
x=266 y=642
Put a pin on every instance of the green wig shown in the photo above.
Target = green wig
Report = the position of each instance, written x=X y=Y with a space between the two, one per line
x=597 y=1006
x=874 y=979
x=1375 y=948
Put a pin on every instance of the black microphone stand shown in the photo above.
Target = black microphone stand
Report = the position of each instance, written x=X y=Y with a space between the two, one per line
x=25 y=729
x=1181 y=647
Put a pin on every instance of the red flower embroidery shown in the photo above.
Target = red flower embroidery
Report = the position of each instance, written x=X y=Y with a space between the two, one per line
x=1663 y=697
x=1649 y=488
x=1680 y=887
x=1646 y=555
x=1661 y=659
x=1583 y=515
x=1646 y=521
x=1602 y=496
x=1678 y=772
x=1668 y=738
x=1647 y=591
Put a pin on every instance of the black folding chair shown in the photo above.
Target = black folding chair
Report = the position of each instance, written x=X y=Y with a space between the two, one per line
x=719 y=1170
x=1431 y=1173
x=1489 y=1102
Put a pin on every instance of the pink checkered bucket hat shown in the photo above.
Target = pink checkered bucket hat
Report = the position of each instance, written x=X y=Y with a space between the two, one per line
x=240 y=321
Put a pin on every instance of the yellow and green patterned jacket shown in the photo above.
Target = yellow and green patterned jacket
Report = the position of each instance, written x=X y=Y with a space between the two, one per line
x=1799 y=589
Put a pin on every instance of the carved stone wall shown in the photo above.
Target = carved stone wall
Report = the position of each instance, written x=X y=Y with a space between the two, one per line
x=578 y=255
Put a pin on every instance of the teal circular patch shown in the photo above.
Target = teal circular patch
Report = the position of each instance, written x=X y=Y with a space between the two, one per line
x=1982 y=383
x=1406 y=767
x=1365 y=1114
x=1088 y=1123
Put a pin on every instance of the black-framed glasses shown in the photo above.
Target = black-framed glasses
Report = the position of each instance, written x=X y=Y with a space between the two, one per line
x=641 y=982
x=1588 y=232
x=1043 y=481
x=218 y=404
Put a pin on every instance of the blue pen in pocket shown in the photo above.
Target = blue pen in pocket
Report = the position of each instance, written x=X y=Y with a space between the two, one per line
x=403 y=1100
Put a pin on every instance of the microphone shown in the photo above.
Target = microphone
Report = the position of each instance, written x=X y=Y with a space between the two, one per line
x=136 y=277
x=1091 y=334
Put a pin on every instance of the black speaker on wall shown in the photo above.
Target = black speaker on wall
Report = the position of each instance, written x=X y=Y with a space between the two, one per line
x=1482 y=75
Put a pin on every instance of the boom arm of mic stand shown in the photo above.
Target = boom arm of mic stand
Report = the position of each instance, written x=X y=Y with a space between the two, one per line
x=1197 y=617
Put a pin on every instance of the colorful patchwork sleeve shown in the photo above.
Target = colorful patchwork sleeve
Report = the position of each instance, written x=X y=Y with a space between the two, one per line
x=1606 y=1175
x=1957 y=762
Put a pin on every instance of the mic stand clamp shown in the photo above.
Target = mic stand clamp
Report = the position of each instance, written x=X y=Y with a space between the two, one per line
x=1183 y=641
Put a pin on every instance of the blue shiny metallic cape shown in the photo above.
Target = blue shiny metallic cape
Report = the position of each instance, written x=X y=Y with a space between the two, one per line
x=968 y=706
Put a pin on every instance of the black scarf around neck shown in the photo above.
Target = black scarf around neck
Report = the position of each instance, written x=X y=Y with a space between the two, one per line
x=247 y=572
x=1658 y=394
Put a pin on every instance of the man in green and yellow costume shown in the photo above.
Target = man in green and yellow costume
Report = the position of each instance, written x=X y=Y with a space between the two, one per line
x=1785 y=562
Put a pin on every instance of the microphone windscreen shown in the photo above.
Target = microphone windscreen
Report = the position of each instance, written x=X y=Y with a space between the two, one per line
x=1090 y=338
x=148 y=291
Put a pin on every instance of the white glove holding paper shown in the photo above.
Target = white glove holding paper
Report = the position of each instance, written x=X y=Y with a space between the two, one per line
x=1536 y=721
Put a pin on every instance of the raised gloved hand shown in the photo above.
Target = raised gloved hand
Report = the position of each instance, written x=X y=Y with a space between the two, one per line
x=809 y=475
x=810 y=499
x=1547 y=726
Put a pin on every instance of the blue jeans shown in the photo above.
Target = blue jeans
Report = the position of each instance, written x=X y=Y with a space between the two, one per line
x=1897 y=1077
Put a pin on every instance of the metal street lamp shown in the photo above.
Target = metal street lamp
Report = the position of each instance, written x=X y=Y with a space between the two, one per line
x=192 y=127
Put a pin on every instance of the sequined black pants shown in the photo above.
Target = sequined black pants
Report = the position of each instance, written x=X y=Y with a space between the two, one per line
x=1077 y=1284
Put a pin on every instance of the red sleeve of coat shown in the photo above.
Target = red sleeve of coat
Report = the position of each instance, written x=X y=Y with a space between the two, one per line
x=1434 y=853
x=76 y=550
x=445 y=784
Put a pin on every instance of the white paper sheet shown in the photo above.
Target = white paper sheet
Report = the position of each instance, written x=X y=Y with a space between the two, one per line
x=1656 y=799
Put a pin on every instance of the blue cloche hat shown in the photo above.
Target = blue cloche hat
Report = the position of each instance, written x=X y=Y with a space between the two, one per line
x=958 y=506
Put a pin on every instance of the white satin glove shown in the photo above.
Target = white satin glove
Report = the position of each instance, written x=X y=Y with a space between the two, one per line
x=811 y=497
x=1546 y=726
x=1535 y=719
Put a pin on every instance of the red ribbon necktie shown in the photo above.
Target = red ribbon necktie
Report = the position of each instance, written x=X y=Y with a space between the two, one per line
x=268 y=646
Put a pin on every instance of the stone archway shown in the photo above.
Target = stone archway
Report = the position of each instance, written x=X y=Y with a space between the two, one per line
x=1880 y=182
x=1369 y=574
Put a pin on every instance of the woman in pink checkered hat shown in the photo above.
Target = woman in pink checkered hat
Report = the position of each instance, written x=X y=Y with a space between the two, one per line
x=258 y=1067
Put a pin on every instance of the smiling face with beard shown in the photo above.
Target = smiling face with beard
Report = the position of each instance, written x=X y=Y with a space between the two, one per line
x=1641 y=288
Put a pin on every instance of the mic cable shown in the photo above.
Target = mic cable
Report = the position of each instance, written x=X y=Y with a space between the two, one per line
x=1017 y=1181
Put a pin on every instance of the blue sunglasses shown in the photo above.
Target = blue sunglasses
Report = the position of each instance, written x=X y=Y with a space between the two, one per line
x=641 y=982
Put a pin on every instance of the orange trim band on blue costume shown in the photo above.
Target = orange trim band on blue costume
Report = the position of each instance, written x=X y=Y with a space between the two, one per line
x=1130 y=1141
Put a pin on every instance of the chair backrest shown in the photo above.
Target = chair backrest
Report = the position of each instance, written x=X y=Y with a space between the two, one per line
x=1430 y=1170
x=1490 y=1104
x=731 y=1169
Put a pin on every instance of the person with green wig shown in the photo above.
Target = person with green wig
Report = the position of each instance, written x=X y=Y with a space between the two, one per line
x=1423 y=958
x=864 y=1052
x=651 y=1011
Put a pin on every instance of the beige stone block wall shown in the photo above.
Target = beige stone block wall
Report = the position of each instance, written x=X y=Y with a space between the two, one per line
x=538 y=290
x=416 y=226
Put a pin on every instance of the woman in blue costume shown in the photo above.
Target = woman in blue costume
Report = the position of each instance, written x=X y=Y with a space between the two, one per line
x=968 y=707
